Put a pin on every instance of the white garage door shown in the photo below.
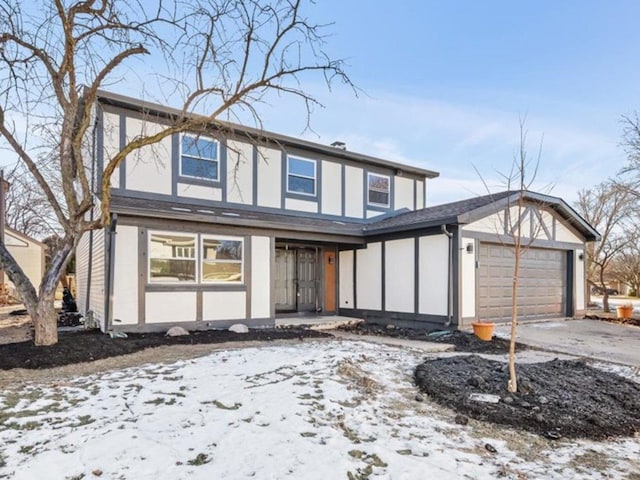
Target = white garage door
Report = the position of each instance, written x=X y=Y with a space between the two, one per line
x=542 y=282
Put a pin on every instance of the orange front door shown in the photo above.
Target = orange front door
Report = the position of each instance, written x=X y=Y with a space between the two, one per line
x=329 y=281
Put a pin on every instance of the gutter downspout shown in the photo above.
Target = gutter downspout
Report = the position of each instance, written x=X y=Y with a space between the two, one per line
x=110 y=269
x=450 y=276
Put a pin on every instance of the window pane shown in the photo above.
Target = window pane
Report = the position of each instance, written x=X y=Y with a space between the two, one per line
x=172 y=246
x=379 y=182
x=221 y=271
x=170 y=270
x=306 y=168
x=215 y=249
x=195 y=167
x=379 y=198
x=199 y=147
x=302 y=185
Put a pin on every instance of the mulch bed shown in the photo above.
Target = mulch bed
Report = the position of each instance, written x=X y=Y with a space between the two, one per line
x=621 y=321
x=556 y=399
x=86 y=346
x=463 y=341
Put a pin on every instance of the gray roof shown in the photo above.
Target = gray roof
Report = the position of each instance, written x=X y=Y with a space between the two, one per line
x=264 y=135
x=455 y=213
x=472 y=209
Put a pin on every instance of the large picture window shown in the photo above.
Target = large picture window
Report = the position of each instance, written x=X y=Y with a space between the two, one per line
x=301 y=176
x=378 y=189
x=172 y=257
x=199 y=158
x=221 y=260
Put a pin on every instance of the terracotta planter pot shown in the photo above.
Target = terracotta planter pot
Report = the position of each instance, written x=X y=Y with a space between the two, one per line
x=624 y=311
x=483 y=330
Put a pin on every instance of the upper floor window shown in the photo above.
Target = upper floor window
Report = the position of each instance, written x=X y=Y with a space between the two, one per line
x=301 y=176
x=378 y=189
x=199 y=158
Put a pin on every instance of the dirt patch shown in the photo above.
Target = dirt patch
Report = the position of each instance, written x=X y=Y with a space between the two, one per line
x=463 y=341
x=87 y=346
x=557 y=399
x=612 y=319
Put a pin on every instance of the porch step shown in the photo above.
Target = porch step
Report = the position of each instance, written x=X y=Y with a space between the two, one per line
x=317 y=323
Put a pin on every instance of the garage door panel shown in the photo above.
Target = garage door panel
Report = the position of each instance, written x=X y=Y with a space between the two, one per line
x=542 y=282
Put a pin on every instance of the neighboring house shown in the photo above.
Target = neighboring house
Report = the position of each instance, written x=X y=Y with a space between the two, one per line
x=28 y=253
x=241 y=225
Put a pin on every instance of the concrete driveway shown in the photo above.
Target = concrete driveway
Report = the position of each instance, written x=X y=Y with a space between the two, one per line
x=596 y=339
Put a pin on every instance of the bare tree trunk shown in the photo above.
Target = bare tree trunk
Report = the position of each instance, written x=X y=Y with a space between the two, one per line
x=605 y=294
x=512 y=386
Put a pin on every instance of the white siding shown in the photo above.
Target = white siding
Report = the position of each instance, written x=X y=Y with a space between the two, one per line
x=468 y=279
x=239 y=172
x=331 y=188
x=404 y=193
x=400 y=274
x=261 y=277
x=373 y=213
x=419 y=195
x=346 y=279
x=170 y=307
x=433 y=272
x=580 y=281
x=199 y=191
x=111 y=143
x=224 y=305
x=97 y=291
x=354 y=191
x=82 y=272
x=269 y=177
x=301 y=205
x=490 y=224
x=369 y=277
x=148 y=169
x=565 y=234
x=125 y=276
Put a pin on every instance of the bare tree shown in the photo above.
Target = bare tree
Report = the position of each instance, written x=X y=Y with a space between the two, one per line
x=608 y=208
x=27 y=209
x=520 y=178
x=218 y=58
x=626 y=266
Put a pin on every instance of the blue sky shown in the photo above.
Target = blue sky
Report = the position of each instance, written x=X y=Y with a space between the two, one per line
x=446 y=83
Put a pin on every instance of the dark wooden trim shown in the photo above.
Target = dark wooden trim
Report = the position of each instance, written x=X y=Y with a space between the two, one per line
x=355 y=274
x=571 y=285
x=383 y=274
x=456 y=271
x=247 y=259
x=142 y=273
x=416 y=275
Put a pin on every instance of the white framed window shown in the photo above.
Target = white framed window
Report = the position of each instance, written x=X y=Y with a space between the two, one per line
x=301 y=176
x=172 y=257
x=199 y=157
x=378 y=187
x=222 y=259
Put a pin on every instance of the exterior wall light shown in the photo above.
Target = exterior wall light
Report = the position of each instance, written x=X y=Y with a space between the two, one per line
x=469 y=247
x=581 y=256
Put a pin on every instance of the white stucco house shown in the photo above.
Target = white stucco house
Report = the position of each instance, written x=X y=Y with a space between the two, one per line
x=240 y=225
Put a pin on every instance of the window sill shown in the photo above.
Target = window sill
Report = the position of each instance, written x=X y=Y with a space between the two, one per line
x=199 y=181
x=195 y=287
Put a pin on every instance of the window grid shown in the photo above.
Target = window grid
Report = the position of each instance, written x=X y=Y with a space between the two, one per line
x=385 y=191
x=301 y=175
x=215 y=161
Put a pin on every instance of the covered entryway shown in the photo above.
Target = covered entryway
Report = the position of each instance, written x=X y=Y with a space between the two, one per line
x=296 y=280
x=542 y=282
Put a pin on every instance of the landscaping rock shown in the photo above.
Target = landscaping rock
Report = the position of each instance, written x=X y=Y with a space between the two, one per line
x=239 y=328
x=461 y=420
x=419 y=398
x=176 y=332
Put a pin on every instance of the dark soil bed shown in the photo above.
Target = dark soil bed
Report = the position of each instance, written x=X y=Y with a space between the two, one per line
x=556 y=399
x=463 y=341
x=86 y=346
x=621 y=321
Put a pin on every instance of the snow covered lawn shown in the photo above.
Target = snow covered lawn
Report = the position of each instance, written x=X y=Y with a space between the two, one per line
x=314 y=410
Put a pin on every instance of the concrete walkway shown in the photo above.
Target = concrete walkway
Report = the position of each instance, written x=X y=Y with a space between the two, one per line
x=595 y=339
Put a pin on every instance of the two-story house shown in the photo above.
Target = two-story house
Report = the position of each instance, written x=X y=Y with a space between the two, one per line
x=239 y=225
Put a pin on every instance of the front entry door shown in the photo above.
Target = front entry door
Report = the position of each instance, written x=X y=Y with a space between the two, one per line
x=306 y=280
x=285 y=280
